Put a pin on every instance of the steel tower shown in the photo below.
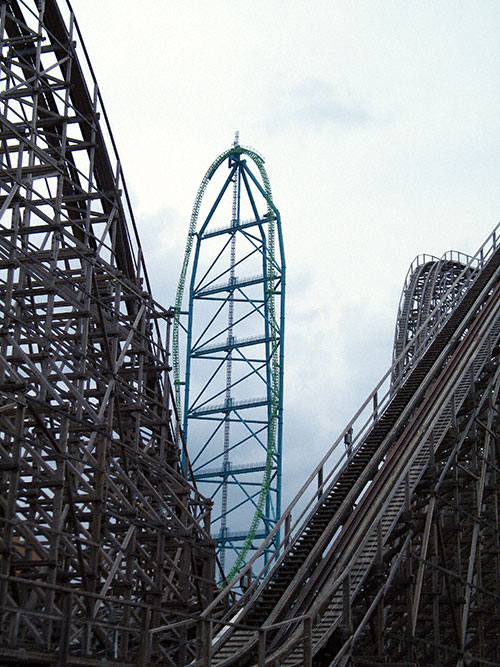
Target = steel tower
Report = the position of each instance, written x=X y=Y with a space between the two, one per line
x=232 y=402
x=102 y=538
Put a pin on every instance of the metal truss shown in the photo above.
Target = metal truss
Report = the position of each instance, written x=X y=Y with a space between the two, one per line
x=234 y=352
x=102 y=539
x=393 y=556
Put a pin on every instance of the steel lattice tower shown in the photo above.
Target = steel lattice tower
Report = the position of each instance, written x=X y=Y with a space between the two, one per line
x=232 y=403
x=102 y=538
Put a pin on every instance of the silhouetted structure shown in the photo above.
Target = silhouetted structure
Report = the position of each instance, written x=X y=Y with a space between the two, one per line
x=102 y=537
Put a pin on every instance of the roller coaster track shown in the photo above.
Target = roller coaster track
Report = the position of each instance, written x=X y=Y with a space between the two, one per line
x=429 y=279
x=251 y=423
x=425 y=453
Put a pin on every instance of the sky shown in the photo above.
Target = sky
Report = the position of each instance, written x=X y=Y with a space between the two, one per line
x=379 y=124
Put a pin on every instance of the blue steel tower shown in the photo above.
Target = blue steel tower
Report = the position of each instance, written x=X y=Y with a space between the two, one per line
x=232 y=369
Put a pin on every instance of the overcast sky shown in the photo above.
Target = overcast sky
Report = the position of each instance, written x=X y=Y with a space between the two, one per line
x=379 y=122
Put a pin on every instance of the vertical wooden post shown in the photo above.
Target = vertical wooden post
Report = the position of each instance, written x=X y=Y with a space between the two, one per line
x=67 y=611
x=348 y=442
x=320 y=481
x=288 y=521
x=207 y=642
x=261 y=661
x=346 y=604
x=308 y=642
x=380 y=604
x=144 y=658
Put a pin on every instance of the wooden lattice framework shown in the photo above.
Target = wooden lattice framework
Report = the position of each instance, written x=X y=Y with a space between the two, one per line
x=431 y=290
x=102 y=540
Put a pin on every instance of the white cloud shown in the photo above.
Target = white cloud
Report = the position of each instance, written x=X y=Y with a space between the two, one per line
x=315 y=104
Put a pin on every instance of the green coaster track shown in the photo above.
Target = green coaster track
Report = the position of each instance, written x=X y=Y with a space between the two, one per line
x=274 y=286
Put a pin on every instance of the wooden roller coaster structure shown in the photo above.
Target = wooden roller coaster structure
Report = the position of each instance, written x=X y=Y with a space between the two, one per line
x=101 y=536
x=390 y=552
